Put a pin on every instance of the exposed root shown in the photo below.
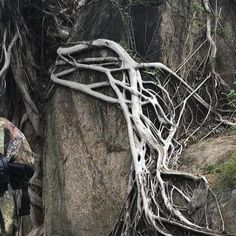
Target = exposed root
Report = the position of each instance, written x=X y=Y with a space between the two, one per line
x=31 y=109
x=14 y=57
x=153 y=118
x=7 y=58
x=217 y=81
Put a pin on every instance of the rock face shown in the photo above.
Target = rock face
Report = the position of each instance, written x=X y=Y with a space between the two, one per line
x=87 y=157
x=87 y=162
x=214 y=152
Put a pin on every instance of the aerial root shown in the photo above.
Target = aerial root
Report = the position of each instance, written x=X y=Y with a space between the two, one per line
x=152 y=119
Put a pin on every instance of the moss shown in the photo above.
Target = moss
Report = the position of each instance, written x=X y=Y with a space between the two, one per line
x=225 y=172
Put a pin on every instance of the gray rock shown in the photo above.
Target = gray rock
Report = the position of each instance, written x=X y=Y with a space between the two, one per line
x=208 y=152
x=86 y=165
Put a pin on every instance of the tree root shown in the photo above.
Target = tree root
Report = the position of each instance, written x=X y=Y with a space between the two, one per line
x=152 y=119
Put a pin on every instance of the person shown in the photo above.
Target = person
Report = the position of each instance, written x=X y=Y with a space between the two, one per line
x=16 y=169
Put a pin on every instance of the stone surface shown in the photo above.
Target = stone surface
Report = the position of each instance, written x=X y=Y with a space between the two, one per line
x=208 y=152
x=87 y=162
x=87 y=157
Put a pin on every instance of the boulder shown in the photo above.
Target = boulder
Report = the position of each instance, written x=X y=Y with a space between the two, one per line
x=86 y=165
x=216 y=158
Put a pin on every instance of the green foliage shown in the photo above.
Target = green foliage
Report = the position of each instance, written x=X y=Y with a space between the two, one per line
x=220 y=31
x=197 y=6
x=231 y=96
x=225 y=172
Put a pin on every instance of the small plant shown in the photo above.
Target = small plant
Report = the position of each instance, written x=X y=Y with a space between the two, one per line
x=197 y=7
x=225 y=172
x=220 y=31
x=231 y=96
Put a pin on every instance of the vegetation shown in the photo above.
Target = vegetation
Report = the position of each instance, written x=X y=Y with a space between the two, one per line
x=225 y=172
x=231 y=96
